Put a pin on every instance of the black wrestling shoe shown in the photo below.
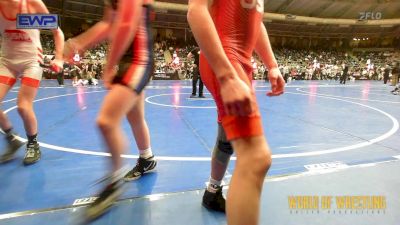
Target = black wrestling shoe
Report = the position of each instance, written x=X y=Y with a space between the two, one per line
x=142 y=166
x=32 y=154
x=214 y=201
x=106 y=199
x=13 y=144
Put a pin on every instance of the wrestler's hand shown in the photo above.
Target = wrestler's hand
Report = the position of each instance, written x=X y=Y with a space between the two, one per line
x=277 y=82
x=237 y=97
x=70 y=49
x=56 y=65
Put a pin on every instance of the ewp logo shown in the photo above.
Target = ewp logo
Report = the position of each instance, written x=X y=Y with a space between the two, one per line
x=37 y=21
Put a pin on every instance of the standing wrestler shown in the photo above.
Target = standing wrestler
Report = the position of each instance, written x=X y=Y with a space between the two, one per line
x=227 y=33
x=21 y=56
x=125 y=23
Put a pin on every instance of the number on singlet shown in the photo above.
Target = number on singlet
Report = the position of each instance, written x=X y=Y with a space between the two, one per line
x=251 y=4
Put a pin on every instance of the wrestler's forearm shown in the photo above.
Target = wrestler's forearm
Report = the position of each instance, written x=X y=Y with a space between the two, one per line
x=264 y=49
x=59 y=43
x=40 y=8
x=93 y=36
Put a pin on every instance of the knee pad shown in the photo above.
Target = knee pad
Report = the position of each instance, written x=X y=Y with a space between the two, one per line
x=223 y=148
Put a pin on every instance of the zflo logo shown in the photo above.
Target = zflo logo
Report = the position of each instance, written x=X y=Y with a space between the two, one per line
x=251 y=4
x=37 y=21
x=370 y=15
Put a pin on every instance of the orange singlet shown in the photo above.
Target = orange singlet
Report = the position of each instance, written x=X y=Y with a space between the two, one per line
x=238 y=25
x=136 y=66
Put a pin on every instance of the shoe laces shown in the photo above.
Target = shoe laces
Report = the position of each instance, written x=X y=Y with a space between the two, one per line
x=140 y=163
x=30 y=152
x=219 y=194
x=138 y=167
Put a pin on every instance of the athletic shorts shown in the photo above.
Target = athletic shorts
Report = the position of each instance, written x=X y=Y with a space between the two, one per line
x=235 y=126
x=30 y=72
x=136 y=66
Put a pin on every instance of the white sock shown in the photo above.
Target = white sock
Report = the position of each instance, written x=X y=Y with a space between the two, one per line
x=213 y=185
x=145 y=154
